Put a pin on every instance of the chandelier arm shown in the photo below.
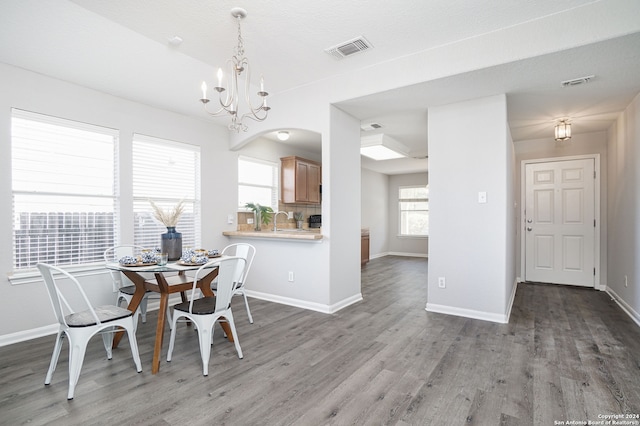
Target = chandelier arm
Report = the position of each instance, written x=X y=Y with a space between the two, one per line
x=247 y=86
x=254 y=117
x=221 y=111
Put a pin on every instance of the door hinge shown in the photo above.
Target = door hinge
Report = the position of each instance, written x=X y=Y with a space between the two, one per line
x=594 y=272
x=594 y=174
x=594 y=223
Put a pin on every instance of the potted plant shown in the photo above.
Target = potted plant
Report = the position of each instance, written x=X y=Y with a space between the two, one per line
x=299 y=217
x=262 y=214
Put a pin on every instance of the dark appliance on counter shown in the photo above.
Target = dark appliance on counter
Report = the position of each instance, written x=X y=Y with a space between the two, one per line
x=315 y=221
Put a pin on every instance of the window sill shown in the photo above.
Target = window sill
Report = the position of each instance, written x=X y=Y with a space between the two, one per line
x=33 y=276
x=419 y=237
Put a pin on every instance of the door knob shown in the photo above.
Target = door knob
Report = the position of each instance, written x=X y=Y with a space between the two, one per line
x=529 y=220
x=529 y=228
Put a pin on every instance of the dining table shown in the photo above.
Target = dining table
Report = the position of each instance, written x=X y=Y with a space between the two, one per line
x=169 y=279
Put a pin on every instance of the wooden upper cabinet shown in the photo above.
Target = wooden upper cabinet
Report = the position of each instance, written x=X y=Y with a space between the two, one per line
x=299 y=181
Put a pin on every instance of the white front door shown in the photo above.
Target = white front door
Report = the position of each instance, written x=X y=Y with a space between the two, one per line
x=560 y=222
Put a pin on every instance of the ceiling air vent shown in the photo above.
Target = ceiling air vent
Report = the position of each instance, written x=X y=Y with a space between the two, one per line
x=577 y=81
x=348 y=48
x=367 y=127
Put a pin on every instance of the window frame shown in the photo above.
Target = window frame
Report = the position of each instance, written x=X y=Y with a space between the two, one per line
x=400 y=210
x=191 y=227
x=275 y=187
x=111 y=195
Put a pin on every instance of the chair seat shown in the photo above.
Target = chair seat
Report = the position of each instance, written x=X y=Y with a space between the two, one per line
x=130 y=289
x=203 y=306
x=105 y=314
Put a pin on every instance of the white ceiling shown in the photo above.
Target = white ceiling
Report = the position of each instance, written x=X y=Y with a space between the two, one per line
x=121 y=47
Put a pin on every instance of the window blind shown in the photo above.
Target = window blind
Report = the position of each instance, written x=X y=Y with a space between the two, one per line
x=63 y=188
x=165 y=172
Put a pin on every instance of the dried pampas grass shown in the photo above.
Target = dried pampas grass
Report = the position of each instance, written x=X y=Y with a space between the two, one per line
x=168 y=218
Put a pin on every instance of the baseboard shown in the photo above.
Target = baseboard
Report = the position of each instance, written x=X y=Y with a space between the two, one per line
x=398 y=253
x=512 y=299
x=624 y=305
x=379 y=255
x=23 y=336
x=312 y=306
x=467 y=313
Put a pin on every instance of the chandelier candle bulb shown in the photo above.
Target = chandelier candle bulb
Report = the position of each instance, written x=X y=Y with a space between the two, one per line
x=220 y=77
x=204 y=90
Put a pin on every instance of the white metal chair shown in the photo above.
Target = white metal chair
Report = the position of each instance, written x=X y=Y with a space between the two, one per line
x=81 y=321
x=204 y=312
x=247 y=252
x=125 y=292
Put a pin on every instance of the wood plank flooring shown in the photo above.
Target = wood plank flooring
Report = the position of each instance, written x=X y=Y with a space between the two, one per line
x=567 y=354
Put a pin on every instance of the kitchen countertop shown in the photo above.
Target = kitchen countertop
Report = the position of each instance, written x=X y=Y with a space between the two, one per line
x=284 y=234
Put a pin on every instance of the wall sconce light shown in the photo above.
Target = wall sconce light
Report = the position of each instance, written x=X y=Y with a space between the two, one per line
x=283 y=135
x=563 y=131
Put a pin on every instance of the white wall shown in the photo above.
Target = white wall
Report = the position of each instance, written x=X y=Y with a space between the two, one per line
x=344 y=205
x=624 y=209
x=34 y=92
x=404 y=246
x=375 y=211
x=469 y=241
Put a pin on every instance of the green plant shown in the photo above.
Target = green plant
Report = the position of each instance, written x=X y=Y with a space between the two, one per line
x=265 y=212
x=298 y=216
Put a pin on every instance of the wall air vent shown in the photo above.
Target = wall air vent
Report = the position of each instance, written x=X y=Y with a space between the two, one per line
x=367 y=127
x=348 y=48
x=577 y=81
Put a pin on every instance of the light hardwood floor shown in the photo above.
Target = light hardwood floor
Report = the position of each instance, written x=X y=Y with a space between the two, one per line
x=567 y=354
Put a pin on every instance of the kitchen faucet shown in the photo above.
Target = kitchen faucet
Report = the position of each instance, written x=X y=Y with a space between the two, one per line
x=275 y=219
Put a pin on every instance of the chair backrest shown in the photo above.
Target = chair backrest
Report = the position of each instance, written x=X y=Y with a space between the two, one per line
x=229 y=271
x=59 y=302
x=115 y=253
x=245 y=251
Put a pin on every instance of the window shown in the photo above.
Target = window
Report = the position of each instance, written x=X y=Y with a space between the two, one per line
x=257 y=182
x=413 y=202
x=63 y=180
x=165 y=172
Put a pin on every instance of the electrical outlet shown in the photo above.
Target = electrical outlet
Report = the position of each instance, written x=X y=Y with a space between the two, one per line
x=289 y=215
x=250 y=221
x=441 y=282
x=290 y=276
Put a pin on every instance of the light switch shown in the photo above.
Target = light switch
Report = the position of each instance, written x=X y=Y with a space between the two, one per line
x=229 y=219
x=482 y=197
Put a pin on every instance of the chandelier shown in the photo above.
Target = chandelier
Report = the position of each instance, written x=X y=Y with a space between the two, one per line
x=230 y=102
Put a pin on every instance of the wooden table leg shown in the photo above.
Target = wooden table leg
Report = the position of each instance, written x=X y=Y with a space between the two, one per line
x=138 y=280
x=162 y=312
x=157 y=348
